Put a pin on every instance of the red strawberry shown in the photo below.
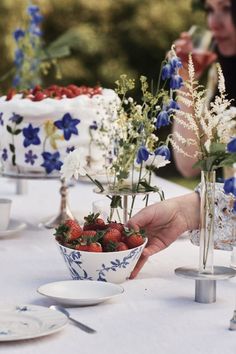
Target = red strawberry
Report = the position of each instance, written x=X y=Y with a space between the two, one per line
x=94 y=247
x=134 y=240
x=39 y=96
x=121 y=246
x=68 y=231
x=111 y=235
x=116 y=225
x=93 y=222
x=10 y=94
x=81 y=247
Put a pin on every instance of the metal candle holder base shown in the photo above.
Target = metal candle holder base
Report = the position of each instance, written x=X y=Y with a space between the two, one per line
x=205 y=284
x=64 y=212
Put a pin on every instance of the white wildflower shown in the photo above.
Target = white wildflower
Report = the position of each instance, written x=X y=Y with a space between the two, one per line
x=74 y=164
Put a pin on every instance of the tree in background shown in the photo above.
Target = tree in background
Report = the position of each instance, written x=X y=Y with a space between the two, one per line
x=102 y=39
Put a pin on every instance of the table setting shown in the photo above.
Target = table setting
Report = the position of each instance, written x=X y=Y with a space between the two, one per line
x=91 y=157
x=156 y=304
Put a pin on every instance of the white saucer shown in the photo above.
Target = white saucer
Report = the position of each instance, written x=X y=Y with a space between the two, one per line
x=14 y=227
x=29 y=321
x=80 y=292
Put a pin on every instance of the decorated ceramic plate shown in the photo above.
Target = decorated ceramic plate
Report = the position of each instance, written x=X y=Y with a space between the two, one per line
x=14 y=227
x=80 y=292
x=29 y=321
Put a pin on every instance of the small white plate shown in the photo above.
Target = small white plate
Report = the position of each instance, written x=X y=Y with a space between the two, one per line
x=29 y=321
x=14 y=227
x=80 y=292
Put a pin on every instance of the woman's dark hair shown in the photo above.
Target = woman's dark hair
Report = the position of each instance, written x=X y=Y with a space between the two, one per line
x=199 y=4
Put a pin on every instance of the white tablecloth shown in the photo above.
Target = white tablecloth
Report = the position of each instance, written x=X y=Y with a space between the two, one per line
x=156 y=314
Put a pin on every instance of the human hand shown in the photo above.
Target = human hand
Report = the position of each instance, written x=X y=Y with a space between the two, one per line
x=163 y=222
x=202 y=57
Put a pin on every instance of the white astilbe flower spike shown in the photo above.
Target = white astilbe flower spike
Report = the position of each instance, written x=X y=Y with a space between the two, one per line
x=74 y=164
x=221 y=80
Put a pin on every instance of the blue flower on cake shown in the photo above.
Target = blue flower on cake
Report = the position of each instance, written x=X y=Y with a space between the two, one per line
x=30 y=157
x=68 y=125
x=4 y=154
x=16 y=118
x=1 y=119
x=51 y=161
x=31 y=136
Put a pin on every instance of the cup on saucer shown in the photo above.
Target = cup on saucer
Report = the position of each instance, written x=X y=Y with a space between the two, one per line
x=5 y=209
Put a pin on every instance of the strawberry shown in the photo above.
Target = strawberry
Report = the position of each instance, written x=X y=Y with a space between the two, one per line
x=134 y=239
x=116 y=225
x=94 y=247
x=93 y=222
x=68 y=231
x=121 y=246
x=39 y=96
x=81 y=247
x=111 y=235
x=10 y=94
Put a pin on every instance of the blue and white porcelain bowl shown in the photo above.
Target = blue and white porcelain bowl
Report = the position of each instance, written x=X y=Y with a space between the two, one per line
x=113 y=267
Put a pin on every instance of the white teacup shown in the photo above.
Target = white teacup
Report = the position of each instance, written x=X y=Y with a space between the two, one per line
x=5 y=208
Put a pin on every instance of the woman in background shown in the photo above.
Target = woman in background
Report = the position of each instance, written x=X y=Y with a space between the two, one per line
x=221 y=21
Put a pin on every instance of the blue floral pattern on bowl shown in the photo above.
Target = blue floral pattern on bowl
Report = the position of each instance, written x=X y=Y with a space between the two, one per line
x=114 y=267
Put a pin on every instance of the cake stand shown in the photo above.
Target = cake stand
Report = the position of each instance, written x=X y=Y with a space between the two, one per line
x=64 y=210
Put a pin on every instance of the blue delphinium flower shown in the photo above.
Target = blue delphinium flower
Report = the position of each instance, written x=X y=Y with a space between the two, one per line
x=1 y=119
x=172 y=105
x=163 y=119
x=167 y=71
x=170 y=71
x=176 y=82
x=18 y=34
x=175 y=62
x=31 y=136
x=19 y=57
x=163 y=150
x=4 y=154
x=231 y=147
x=51 y=161
x=68 y=125
x=30 y=157
x=36 y=19
x=142 y=155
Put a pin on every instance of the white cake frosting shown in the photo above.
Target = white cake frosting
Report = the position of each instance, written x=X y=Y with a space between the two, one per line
x=35 y=136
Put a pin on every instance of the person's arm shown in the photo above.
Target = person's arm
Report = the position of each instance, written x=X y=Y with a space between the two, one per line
x=163 y=222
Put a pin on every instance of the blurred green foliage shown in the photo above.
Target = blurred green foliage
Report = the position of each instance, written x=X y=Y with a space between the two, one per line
x=106 y=38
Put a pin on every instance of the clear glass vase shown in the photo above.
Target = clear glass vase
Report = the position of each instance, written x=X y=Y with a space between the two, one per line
x=207 y=211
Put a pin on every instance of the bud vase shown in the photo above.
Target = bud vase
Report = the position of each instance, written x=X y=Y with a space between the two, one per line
x=207 y=211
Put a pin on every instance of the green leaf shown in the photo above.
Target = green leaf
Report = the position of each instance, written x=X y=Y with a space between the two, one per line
x=17 y=131
x=12 y=148
x=99 y=185
x=9 y=129
x=13 y=160
x=216 y=148
x=116 y=202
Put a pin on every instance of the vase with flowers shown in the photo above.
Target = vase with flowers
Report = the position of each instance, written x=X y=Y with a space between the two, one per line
x=132 y=149
x=214 y=138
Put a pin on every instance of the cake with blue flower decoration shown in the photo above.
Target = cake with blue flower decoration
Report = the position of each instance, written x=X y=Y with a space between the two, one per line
x=38 y=128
